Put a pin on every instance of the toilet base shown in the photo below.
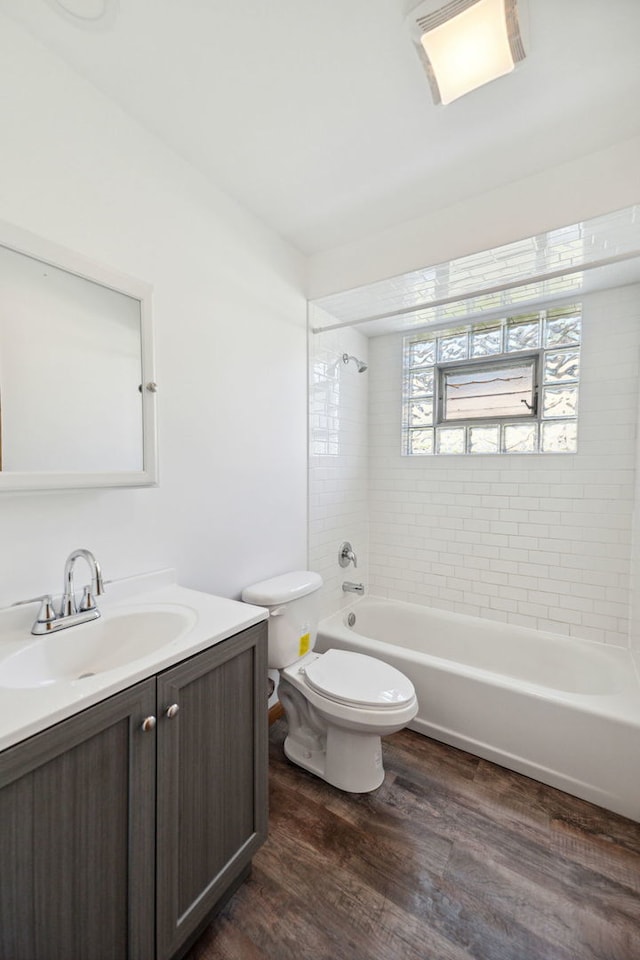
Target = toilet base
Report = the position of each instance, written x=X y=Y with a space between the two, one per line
x=337 y=742
x=349 y=761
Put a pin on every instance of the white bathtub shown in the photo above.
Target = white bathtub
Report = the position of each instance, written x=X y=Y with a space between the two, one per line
x=565 y=712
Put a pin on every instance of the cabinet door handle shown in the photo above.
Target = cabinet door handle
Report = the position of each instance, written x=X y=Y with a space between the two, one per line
x=172 y=710
x=148 y=724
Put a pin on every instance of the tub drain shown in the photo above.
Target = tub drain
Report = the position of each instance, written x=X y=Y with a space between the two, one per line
x=351 y=619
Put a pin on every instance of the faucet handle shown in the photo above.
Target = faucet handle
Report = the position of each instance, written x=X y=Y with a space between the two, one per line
x=88 y=601
x=46 y=613
x=346 y=555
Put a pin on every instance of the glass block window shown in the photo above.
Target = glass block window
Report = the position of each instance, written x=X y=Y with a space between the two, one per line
x=500 y=386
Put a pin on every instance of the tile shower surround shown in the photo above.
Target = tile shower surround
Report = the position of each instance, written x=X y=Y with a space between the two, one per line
x=543 y=541
x=338 y=461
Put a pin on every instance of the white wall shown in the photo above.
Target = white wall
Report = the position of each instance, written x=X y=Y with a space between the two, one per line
x=338 y=461
x=593 y=185
x=634 y=597
x=229 y=316
x=590 y=186
x=543 y=541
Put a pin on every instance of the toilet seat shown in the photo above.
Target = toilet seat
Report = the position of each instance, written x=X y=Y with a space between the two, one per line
x=357 y=680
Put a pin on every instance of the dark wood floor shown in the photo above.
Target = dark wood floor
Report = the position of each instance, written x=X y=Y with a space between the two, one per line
x=451 y=858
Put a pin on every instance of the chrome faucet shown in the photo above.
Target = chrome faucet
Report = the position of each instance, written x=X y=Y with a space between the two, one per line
x=48 y=621
x=349 y=587
x=346 y=555
x=95 y=589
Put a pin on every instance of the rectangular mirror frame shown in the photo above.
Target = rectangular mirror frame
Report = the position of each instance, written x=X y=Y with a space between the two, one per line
x=31 y=245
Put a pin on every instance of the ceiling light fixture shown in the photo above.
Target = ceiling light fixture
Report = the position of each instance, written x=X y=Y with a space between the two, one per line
x=466 y=44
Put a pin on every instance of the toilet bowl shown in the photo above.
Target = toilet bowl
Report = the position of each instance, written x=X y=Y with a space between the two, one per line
x=337 y=704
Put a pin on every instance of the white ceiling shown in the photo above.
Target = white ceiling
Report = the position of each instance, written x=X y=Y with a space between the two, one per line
x=317 y=116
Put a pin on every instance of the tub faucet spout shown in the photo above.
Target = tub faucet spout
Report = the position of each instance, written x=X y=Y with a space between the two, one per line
x=349 y=587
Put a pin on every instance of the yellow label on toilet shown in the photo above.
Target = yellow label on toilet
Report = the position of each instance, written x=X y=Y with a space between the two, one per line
x=305 y=641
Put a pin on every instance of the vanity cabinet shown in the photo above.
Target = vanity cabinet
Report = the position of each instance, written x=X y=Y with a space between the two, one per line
x=72 y=886
x=212 y=781
x=118 y=842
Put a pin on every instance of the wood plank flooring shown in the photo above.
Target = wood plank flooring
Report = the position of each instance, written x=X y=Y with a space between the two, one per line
x=451 y=858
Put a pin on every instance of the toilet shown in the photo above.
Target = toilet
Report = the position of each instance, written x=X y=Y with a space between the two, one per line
x=337 y=704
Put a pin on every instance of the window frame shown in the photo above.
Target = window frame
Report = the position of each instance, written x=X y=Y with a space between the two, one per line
x=425 y=429
x=492 y=361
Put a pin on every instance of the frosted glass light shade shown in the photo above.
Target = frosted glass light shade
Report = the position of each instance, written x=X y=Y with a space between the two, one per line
x=470 y=49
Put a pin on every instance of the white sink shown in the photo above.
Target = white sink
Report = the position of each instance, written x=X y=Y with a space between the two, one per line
x=80 y=652
x=149 y=624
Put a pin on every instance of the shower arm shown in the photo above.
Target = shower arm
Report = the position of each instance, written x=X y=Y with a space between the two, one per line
x=360 y=364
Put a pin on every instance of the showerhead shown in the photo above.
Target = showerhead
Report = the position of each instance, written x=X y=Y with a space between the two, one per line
x=360 y=364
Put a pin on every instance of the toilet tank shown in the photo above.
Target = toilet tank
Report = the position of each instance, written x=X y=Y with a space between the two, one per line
x=293 y=602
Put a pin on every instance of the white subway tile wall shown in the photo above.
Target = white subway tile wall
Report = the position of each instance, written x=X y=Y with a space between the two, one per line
x=543 y=541
x=539 y=540
x=338 y=461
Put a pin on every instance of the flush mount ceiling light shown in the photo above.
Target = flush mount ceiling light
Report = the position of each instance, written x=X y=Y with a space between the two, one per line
x=466 y=43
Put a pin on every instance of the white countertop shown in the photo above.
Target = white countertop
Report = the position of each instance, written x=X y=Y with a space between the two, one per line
x=26 y=711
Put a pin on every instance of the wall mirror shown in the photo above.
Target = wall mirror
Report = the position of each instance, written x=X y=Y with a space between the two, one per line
x=77 y=390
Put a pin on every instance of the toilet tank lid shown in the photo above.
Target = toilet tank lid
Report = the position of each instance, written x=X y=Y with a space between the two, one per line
x=288 y=586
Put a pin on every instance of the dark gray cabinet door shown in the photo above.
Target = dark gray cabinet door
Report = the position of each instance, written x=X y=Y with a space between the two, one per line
x=212 y=780
x=77 y=812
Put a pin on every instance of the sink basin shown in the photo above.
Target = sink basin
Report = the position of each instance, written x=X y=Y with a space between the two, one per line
x=83 y=651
